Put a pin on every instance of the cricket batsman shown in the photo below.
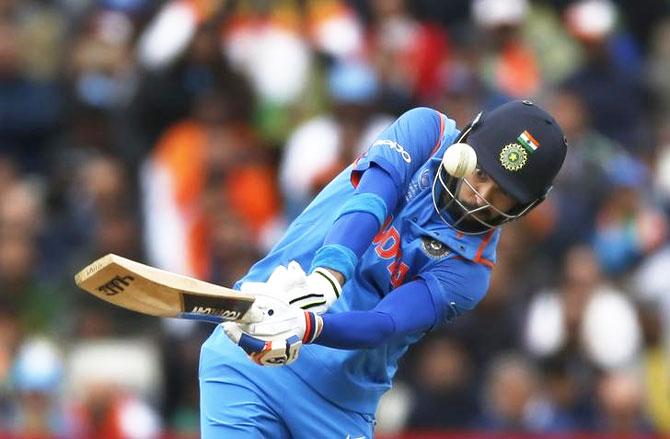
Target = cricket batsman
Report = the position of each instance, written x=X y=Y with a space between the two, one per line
x=401 y=242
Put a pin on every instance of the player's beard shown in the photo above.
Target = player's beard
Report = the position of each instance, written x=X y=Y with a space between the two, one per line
x=487 y=215
x=468 y=221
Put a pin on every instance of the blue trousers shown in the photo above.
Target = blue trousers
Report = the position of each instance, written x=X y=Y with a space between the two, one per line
x=239 y=399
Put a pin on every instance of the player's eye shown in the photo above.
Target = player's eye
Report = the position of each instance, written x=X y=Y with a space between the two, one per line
x=481 y=175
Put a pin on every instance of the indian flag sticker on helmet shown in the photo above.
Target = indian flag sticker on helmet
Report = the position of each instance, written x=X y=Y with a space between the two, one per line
x=528 y=141
x=513 y=157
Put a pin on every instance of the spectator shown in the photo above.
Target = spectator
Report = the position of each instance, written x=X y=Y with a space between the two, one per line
x=407 y=53
x=558 y=55
x=322 y=147
x=658 y=63
x=445 y=391
x=661 y=169
x=495 y=326
x=608 y=80
x=167 y=95
x=567 y=390
x=509 y=65
x=583 y=316
x=10 y=340
x=461 y=90
x=262 y=34
x=584 y=183
x=38 y=305
x=655 y=367
x=111 y=413
x=620 y=398
x=511 y=396
x=29 y=110
x=629 y=224
x=210 y=160
x=37 y=375
x=109 y=383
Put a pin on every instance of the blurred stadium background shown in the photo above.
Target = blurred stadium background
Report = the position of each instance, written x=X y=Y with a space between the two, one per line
x=187 y=133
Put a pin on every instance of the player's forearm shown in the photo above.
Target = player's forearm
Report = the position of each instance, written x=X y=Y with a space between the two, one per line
x=360 y=220
x=337 y=275
x=356 y=330
x=407 y=310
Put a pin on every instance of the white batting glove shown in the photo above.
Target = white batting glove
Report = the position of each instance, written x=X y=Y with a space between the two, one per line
x=278 y=351
x=281 y=280
x=276 y=341
x=315 y=292
x=265 y=306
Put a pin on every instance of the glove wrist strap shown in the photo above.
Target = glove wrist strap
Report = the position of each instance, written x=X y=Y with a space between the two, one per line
x=313 y=327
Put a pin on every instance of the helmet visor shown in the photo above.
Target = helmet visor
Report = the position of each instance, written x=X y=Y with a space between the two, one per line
x=465 y=217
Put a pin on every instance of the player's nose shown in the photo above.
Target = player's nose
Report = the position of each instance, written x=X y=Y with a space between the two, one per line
x=484 y=193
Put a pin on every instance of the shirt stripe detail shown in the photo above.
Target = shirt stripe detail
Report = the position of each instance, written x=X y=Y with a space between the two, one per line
x=485 y=242
x=439 y=138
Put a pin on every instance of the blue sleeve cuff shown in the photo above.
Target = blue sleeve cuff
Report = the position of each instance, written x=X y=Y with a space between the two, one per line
x=336 y=257
x=366 y=202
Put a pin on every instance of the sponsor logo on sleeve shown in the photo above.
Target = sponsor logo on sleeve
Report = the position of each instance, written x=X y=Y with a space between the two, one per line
x=396 y=147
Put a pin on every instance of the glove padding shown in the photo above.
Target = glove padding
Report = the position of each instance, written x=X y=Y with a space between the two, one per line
x=315 y=292
x=264 y=306
x=276 y=340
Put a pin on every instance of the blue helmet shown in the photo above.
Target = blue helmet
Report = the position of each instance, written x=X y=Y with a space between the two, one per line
x=521 y=147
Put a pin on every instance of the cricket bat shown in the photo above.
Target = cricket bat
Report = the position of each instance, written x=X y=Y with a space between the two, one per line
x=149 y=290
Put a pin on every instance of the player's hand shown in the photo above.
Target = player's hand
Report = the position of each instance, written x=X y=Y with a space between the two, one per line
x=281 y=280
x=315 y=292
x=277 y=351
x=277 y=339
x=265 y=305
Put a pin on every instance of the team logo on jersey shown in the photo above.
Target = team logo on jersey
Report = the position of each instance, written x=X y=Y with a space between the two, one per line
x=513 y=157
x=434 y=248
x=424 y=179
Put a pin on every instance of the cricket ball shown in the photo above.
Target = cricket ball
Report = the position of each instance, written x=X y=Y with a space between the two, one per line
x=459 y=160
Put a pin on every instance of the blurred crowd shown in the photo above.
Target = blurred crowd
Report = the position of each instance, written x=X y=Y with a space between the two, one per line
x=188 y=133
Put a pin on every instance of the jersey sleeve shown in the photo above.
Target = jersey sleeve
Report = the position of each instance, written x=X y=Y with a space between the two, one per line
x=406 y=310
x=404 y=146
x=438 y=295
x=456 y=285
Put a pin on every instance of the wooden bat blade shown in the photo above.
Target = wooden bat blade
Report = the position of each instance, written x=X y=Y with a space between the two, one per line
x=149 y=290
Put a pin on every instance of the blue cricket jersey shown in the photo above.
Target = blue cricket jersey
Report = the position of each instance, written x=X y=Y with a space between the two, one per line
x=413 y=243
